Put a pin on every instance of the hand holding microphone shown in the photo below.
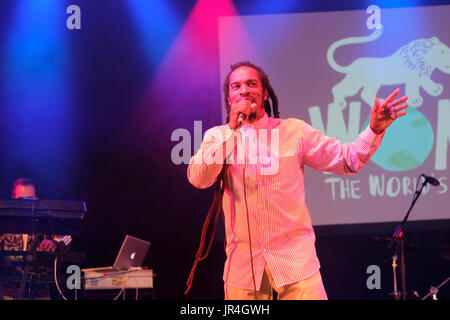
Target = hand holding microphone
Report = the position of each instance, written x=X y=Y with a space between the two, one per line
x=240 y=112
x=241 y=119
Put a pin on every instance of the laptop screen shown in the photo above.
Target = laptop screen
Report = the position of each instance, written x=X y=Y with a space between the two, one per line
x=132 y=253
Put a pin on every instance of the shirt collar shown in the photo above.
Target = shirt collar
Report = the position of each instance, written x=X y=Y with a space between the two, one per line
x=262 y=123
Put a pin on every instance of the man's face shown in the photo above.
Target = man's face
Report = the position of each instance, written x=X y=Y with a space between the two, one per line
x=245 y=84
x=24 y=192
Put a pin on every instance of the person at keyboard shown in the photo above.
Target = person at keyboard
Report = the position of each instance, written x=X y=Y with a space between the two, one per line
x=12 y=265
x=24 y=188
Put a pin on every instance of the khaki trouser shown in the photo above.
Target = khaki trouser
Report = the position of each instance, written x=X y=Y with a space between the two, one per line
x=307 y=289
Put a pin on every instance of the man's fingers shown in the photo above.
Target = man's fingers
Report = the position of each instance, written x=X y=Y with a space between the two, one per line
x=401 y=107
x=400 y=114
x=376 y=105
x=395 y=112
x=393 y=107
x=392 y=96
x=398 y=101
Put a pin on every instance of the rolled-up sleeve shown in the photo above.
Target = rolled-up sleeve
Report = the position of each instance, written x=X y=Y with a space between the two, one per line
x=205 y=166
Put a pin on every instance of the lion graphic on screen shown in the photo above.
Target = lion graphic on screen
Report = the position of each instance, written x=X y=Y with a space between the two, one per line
x=411 y=65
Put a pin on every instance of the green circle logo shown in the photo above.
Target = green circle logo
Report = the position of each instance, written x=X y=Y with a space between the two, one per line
x=406 y=144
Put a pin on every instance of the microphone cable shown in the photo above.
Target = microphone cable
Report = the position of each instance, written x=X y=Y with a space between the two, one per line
x=248 y=224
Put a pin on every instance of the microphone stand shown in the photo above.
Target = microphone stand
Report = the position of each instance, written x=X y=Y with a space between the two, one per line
x=396 y=293
x=399 y=240
x=434 y=290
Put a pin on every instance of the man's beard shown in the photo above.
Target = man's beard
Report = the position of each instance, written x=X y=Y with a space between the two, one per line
x=252 y=115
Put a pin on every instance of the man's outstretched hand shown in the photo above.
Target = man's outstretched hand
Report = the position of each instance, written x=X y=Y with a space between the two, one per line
x=385 y=113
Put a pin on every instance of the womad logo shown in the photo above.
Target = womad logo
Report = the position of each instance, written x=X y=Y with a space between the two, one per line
x=408 y=142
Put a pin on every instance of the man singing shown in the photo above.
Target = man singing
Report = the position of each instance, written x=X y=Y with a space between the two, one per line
x=270 y=241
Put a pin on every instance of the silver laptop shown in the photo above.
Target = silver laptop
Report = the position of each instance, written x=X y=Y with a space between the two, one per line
x=131 y=254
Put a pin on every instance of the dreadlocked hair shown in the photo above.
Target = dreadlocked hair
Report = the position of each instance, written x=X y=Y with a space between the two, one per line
x=216 y=206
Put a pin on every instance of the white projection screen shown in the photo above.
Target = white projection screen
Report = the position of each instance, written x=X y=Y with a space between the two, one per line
x=327 y=67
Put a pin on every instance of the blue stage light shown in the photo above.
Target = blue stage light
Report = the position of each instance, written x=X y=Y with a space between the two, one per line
x=37 y=99
x=157 y=25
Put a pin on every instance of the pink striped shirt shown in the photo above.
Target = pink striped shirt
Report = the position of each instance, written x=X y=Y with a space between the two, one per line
x=280 y=225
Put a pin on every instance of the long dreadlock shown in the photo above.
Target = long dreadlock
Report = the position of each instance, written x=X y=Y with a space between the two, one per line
x=216 y=205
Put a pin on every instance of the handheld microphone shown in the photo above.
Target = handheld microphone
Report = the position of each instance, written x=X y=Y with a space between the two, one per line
x=242 y=116
x=431 y=180
x=241 y=119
